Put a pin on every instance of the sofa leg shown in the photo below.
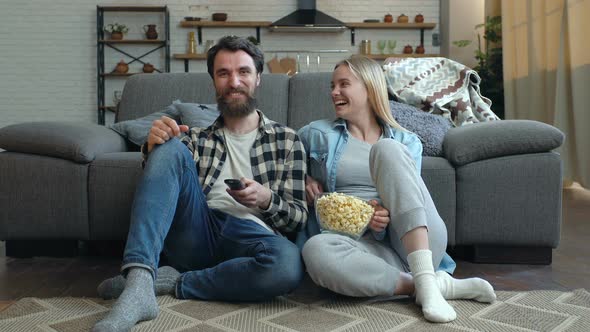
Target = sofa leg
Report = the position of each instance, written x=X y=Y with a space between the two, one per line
x=489 y=254
x=50 y=248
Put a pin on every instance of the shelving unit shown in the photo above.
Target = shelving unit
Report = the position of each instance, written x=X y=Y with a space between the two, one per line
x=102 y=42
x=407 y=26
x=219 y=24
x=398 y=55
x=186 y=57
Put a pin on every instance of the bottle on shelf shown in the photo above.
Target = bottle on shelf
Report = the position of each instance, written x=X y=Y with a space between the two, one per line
x=192 y=46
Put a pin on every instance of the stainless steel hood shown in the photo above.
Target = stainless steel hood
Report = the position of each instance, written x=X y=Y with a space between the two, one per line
x=307 y=19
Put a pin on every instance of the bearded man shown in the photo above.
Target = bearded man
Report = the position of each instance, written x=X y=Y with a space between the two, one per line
x=220 y=244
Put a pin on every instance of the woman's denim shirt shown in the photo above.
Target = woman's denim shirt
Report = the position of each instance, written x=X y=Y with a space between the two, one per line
x=325 y=140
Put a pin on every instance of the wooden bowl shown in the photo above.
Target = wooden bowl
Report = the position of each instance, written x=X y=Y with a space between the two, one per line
x=219 y=16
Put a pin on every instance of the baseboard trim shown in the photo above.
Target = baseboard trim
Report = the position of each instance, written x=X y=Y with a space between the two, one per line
x=49 y=248
x=492 y=254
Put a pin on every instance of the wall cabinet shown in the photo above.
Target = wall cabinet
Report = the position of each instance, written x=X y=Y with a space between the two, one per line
x=126 y=47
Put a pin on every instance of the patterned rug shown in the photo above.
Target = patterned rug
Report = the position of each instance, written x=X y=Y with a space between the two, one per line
x=513 y=311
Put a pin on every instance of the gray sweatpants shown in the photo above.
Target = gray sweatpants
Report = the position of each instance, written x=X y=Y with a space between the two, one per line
x=368 y=267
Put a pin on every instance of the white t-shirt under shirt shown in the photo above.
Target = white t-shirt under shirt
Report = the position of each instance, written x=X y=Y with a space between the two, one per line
x=236 y=166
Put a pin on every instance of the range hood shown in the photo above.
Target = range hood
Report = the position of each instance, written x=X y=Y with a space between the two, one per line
x=307 y=19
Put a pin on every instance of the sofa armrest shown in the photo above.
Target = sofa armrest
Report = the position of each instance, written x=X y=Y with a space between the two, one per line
x=484 y=140
x=79 y=142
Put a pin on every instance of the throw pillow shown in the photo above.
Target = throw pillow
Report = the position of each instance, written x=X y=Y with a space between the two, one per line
x=197 y=115
x=430 y=128
x=137 y=130
x=190 y=114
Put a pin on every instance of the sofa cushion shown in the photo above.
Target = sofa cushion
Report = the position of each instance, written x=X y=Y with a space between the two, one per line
x=494 y=139
x=42 y=197
x=190 y=114
x=109 y=209
x=149 y=93
x=430 y=128
x=79 y=142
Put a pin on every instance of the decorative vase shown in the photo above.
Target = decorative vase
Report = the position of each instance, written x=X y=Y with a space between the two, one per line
x=122 y=67
x=150 y=31
x=419 y=18
x=408 y=49
x=420 y=49
x=388 y=18
x=116 y=35
x=148 y=68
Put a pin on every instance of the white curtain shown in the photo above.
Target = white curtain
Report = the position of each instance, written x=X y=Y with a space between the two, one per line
x=546 y=49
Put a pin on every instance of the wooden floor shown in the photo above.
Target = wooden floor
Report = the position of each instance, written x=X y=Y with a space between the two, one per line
x=79 y=276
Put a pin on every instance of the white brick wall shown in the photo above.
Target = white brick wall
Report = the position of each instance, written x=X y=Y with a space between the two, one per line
x=48 y=49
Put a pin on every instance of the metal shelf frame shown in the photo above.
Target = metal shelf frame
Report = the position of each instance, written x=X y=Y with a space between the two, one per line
x=101 y=43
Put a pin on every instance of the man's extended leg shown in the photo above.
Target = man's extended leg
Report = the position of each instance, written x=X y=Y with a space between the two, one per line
x=168 y=194
x=254 y=264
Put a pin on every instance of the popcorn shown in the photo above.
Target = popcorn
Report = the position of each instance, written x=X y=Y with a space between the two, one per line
x=343 y=214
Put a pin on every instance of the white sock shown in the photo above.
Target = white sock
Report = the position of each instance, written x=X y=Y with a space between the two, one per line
x=434 y=306
x=472 y=288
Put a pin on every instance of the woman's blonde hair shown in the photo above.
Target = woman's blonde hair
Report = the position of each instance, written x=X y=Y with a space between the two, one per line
x=371 y=74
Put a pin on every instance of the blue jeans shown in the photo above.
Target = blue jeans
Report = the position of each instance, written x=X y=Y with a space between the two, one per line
x=221 y=257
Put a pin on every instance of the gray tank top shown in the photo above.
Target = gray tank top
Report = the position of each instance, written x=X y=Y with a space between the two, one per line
x=353 y=176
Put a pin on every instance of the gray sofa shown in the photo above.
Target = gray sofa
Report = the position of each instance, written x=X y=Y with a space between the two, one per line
x=497 y=185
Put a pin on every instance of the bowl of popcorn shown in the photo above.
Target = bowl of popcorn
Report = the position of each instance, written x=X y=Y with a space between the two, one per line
x=343 y=214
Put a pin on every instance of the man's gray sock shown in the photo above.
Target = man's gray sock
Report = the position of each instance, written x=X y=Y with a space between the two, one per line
x=165 y=284
x=136 y=303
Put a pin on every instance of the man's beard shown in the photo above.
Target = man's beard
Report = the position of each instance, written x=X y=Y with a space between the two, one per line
x=232 y=108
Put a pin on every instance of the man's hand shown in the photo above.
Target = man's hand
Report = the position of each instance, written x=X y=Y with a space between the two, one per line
x=312 y=188
x=380 y=218
x=162 y=130
x=253 y=196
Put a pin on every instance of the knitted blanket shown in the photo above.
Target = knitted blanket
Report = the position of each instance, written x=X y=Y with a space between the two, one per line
x=439 y=86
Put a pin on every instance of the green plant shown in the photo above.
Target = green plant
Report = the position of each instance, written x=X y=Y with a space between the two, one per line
x=116 y=27
x=489 y=60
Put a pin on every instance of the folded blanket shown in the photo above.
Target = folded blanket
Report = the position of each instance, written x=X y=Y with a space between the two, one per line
x=439 y=86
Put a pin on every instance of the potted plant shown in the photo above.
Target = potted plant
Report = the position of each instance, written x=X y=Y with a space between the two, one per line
x=489 y=59
x=116 y=30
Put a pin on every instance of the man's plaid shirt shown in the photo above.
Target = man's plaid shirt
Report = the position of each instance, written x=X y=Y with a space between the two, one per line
x=278 y=163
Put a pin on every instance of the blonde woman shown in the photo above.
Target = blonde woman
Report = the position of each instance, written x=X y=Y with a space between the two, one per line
x=366 y=153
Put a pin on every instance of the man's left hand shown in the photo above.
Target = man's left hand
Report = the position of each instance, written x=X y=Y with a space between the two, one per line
x=254 y=195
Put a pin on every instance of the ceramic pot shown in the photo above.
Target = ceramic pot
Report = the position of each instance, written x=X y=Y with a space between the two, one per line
x=388 y=18
x=148 y=68
x=408 y=49
x=122 y=67
x=419 y=18
x=420 y=49
x=402 y=19
x=219 y=17
x=150 y=31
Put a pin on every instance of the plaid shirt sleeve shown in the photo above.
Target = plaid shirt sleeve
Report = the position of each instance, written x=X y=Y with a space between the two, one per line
x=287 y=211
